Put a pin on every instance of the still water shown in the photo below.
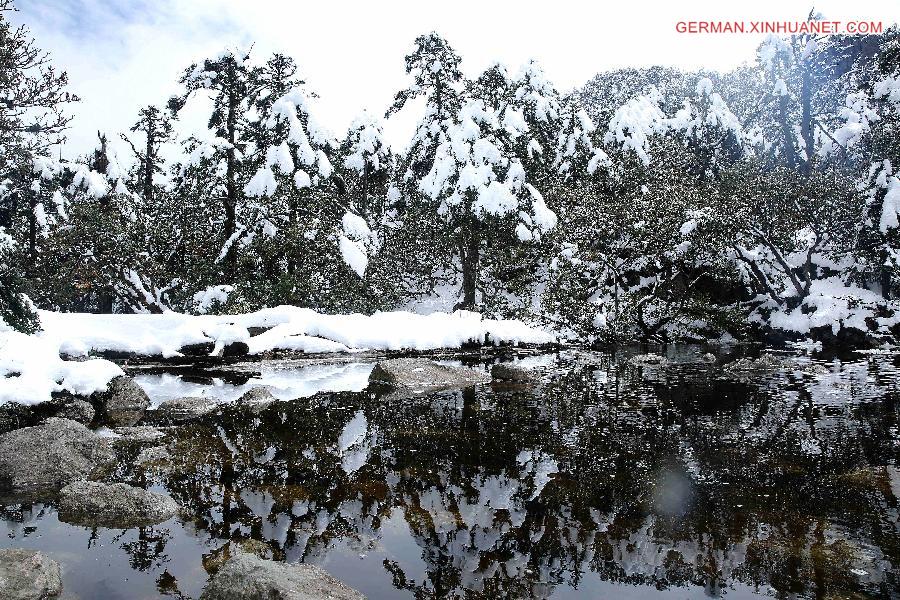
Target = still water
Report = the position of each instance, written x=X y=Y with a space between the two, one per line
x=604 y=480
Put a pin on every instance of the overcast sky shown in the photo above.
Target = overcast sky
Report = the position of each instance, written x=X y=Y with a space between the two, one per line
x=122 y=54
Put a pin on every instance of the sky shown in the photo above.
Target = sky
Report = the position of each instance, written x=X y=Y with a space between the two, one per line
x=124 y=54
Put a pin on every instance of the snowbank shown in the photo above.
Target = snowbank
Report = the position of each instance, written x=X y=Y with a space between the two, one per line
x=289 y=328
x=31 y=368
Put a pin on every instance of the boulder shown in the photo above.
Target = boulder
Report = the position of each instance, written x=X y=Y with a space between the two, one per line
x=15 y=416
x=28 y=575
x=182 y=410
x=123 y=403
x=37 y=461
x=708 y=358
x=235 y=349
x=197 y=349
x=257 y=399
x=510 y=372
x=115 y=505
x=77 y=410
x=424 y=374
x=248 y=577
x=66 y=406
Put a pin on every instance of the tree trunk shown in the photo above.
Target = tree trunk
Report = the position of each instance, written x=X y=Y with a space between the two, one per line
x=231 y=186
x=148 y=164
x=806 y=124
x=469 y=256
x=786 y=133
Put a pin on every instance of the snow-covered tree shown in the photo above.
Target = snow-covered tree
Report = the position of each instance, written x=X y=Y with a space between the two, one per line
x=434 y=67
x=230 y=80
x=32 y=120
x=481 y=186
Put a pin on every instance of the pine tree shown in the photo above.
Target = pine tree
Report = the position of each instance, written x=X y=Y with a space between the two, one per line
x=32 y=120
x=232 y=83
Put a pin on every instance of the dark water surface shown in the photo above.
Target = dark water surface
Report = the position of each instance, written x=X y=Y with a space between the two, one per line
x=603 y=481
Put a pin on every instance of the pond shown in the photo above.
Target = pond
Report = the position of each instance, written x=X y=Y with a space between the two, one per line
x=603 y=480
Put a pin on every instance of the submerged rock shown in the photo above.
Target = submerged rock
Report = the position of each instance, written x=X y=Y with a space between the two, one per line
x=511 y=372
x=182 y=410
x=39 y=460
x=28 y=575
x=123 y=403
x=113 y=505
x=248 y=577
x=420 y=373
x=648 y=360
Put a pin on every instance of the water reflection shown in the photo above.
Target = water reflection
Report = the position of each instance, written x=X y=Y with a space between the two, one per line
x=605 y=479
x=284 y=380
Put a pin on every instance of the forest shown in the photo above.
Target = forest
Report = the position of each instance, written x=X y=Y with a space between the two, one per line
x=648 y=205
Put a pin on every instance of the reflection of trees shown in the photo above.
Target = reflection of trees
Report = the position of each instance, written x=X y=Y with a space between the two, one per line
x=669 y=479
x=147 y=551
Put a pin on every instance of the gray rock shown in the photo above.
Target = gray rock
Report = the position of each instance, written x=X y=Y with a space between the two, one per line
x=182 y=410
x=115 y=505
x=248 y=577
x=420 y=373
x=648 y=360
x=37 y=461
x=77 y=410
x=28 y=575
x=510 y=372
x=235 y=349
x=257 y=399
x=124 y=402
x=15 y=416
x=708 y=358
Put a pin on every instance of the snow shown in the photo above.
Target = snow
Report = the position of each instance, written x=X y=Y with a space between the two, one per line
x=285 y=380
x=635 y=122
x=31 y=367
x=206 y=299
x=890 y=210
x=830 y=303
x=31 y=370
x=78 y=334
x=354 y=254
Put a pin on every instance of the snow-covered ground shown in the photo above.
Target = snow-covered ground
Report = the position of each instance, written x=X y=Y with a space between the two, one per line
x=33 y=367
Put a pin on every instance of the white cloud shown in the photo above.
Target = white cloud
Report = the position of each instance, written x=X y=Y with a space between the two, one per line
x=352 y=52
